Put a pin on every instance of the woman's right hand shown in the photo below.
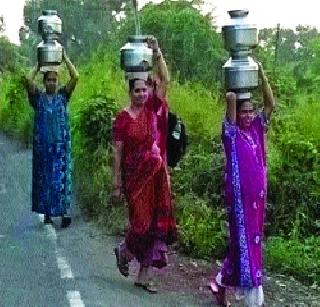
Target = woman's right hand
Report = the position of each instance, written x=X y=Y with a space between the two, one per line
x=231 y=97
x=153 y=43
x=155 y=149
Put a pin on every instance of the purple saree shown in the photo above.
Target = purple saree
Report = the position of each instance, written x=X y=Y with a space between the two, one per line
x=245 y=195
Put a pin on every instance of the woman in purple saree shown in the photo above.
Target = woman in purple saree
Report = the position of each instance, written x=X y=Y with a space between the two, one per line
x=243 y=135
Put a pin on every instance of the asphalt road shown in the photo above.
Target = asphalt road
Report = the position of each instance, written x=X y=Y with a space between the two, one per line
x=46 y=266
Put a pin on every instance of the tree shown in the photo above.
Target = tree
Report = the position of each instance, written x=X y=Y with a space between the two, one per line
x=9 y=57
x=86 y=23
x=305 y=34
x=2 y=24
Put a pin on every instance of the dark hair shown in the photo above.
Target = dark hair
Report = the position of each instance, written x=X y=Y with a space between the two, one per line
x=241 y=102
x=46 y=74
x=132 y=83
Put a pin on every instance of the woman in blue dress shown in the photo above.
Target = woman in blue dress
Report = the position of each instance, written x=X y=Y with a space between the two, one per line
x=51 y=163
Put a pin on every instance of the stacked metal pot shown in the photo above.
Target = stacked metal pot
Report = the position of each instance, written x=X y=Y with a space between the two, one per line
x=240 y=71
x=136 y=58
x=50 y=28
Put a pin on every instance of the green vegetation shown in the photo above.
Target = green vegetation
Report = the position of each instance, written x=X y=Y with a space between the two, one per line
x=299 y=258
x=195 y=94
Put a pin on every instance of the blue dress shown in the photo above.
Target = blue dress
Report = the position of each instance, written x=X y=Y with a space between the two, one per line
x=51 y=163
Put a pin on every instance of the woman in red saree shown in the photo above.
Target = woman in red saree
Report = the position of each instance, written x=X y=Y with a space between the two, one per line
x=141 y=174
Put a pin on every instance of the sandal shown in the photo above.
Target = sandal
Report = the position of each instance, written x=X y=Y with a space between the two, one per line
x=65 y=221
x=122 y=267
x=149 y=287
x=47 y=219
x=220 y=294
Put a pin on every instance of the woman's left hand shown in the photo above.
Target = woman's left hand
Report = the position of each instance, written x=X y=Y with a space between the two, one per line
x=153 y=43
x=261 y=71
x=155 y=149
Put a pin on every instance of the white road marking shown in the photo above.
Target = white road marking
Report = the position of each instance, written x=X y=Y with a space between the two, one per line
x=51 y=233
x=74 y=298
x=63 y=265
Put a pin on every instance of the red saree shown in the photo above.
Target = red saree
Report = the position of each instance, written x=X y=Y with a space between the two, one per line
x=145 y=181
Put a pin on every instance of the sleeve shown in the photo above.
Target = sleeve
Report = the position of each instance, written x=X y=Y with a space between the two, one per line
x=229 y=129
x=154 y=103
x=63 y=91
x=33 y=97
x=261 y=122
x=228 y=137
x=118 y=128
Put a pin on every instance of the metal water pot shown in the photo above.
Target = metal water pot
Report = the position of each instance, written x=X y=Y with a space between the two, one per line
x=49 y=25
x=241 y=75
x=239 y=35
x=136 y=56
x=240 y=71
x=49 y=53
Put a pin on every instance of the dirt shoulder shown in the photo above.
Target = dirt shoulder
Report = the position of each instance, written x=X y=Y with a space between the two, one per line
x=191 y=276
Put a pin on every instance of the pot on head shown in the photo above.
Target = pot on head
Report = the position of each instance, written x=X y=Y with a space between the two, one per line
x=49 y=25
x=49 y=53
x=136 y=56
x=240 y=71
x=239 y=34
x=240 y=74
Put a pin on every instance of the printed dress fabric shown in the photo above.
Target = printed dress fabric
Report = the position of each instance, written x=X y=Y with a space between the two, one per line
x=245 y=197
x=51 y=167
x=145 y=183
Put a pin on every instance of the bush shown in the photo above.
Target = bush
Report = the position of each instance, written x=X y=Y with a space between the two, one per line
x=200 y=110
x=294 y=163
x=95 y=121
x=92 y=174
x=283 y=85
x=202 y=230
x=98 y=96
x=200 y=173
x=16 y=115
x=298 y=258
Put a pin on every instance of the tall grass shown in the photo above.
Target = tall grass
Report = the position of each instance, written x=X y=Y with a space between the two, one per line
x=200 y=109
